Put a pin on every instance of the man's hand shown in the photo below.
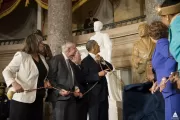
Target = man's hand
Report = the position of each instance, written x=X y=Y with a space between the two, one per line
x=163 y=84
x=102 y=73
x=64 y=92
x=17 y=87
x=80 y=95
x=154 y=88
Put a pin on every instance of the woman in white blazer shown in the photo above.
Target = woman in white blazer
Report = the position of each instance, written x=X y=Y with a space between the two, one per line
x=26 y=71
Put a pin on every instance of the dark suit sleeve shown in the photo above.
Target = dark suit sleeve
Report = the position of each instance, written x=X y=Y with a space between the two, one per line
x=108 y=66
x=53 y=69
x=90 y=76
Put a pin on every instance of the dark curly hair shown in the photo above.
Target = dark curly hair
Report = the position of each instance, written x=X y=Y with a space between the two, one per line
x=158 y=30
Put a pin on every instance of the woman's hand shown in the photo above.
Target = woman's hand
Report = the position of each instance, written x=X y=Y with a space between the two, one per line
x=102 y=73
x=174 y=77
x=17 y=87
x=163 y=84
x=154 y=88
x=47 y=84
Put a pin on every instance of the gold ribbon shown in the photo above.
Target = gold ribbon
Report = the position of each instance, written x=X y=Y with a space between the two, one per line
x=42 y=4
x=1 y=3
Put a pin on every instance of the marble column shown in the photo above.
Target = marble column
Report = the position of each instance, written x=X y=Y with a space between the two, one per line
x=59 y=24
x=151 y=13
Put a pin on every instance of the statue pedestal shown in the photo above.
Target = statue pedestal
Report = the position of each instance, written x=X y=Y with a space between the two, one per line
x=115 y=92
x=115 y=110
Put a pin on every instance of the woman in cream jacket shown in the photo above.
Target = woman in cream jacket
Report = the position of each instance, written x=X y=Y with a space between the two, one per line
x=26 y=71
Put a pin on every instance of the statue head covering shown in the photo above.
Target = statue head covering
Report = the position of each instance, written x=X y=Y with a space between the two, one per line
x=143 y=29
x=98 y=25
x=169 y=9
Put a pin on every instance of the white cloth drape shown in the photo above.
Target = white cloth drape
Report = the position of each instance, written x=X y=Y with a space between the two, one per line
x=114 y=85
x=105 y=12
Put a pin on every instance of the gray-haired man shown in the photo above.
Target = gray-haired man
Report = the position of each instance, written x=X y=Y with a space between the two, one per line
x=61 y=75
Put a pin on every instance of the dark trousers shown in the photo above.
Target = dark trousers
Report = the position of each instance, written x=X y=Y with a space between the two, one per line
x=64 y=110
x=82 y=108
x=26 y=111
x=99 y=111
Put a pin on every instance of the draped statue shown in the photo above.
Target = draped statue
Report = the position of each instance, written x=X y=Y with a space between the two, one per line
x=141 y=56
x=103 y=41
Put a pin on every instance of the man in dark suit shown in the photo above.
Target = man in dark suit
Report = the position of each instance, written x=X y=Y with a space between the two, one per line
x=62 y=76
x=89 y=22
x=95 y=69
x=81 y=102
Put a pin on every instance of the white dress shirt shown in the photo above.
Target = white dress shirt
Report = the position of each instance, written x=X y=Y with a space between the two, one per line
x=93 y=56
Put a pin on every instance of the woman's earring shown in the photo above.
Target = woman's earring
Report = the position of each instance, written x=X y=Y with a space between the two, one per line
x=168 y=19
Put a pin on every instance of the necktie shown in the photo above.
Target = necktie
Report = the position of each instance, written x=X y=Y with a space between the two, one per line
x=79 y=67
x=70 y=72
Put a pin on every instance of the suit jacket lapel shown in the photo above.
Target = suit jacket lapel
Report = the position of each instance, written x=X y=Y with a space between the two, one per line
x=44 y=62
